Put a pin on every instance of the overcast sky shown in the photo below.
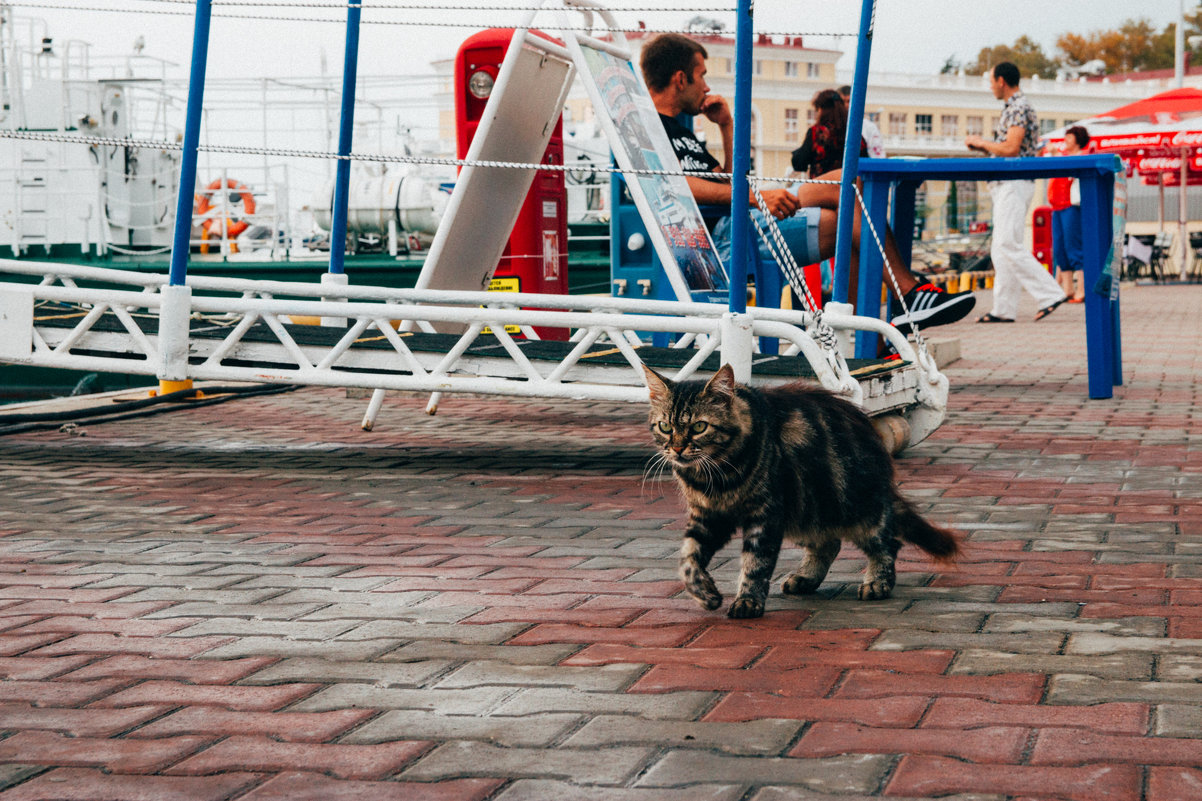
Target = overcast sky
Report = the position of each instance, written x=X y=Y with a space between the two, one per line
x=911 y=35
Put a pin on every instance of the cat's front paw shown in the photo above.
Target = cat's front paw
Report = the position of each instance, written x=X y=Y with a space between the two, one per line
x=704 y=590
x=875 y=590
x=745 y=607
x=798 y=584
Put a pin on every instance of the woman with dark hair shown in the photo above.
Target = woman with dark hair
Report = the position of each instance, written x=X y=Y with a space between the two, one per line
x=822 y=150
x=1064 y=196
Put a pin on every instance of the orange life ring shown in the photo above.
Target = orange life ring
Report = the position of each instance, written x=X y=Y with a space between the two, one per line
x=212 y=226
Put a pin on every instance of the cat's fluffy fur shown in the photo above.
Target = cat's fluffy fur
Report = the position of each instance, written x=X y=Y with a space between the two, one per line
x=790 y=462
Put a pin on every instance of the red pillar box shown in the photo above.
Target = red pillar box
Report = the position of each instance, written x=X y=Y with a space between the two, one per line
x=1041 y=235
x=536 y=257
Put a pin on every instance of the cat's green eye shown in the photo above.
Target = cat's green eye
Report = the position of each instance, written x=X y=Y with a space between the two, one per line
x=699 y=426
x=664 y=426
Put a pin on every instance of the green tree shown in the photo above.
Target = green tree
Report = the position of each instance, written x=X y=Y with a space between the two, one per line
x=1025 y=53
x=1136 y=45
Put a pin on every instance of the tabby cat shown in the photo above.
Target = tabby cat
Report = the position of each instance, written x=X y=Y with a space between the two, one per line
x=789 y=462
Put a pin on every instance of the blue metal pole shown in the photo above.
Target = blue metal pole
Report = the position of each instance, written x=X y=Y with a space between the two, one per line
x=851 y=153
x=342 y=173
x=740 y=239
x=181 y=242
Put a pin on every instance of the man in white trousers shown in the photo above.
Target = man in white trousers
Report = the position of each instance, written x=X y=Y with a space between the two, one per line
x=1014 y=267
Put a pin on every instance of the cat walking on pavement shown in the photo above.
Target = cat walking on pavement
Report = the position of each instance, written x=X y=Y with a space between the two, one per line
x=790 y=462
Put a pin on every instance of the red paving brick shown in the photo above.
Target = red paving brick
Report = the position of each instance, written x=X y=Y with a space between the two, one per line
x=515 y=545
x=80 y=784
x=968 y=713
x=994 y=744
x=261 y=754
x=298 y=727
x=935 y=776
x=311 y=787
x=112 y=754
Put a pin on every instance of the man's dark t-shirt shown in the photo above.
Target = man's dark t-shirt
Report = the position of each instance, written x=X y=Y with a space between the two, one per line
x=688 y=148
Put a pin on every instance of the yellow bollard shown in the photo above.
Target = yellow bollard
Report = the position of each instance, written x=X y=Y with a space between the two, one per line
x=166 y=387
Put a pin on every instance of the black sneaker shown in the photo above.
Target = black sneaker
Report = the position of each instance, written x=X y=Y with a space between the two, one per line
x=931 y=305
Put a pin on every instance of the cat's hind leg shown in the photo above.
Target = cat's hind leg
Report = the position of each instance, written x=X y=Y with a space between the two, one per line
x=761 y=547
x=702 y=539
x=880 y=575
x=813 y=568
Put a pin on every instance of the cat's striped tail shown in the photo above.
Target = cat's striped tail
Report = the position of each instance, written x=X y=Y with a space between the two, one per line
x=940 y=543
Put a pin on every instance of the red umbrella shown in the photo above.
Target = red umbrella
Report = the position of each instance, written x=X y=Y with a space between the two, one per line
x=1159 y=137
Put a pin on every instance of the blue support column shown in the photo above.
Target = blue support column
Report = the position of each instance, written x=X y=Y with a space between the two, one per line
x=740 y=190
x=851 y=153
x=1102 y=343
x=342 y=174
x=181 y=241
x=868 y=289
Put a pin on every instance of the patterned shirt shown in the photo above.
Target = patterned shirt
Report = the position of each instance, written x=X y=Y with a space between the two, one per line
x=1018 y=111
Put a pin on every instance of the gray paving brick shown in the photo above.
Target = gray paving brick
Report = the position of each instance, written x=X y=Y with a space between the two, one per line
x=262 y=611
x=844 y=774
x=551 y=790
x=1108 y=666
x=609 y=766
x=331 y=671
x=595 y=678
x=549 y=654
x=278 y=646
x=798 y=794
x=1092 y=643
x=753 y=737
x=284 y=629
x=908 y=639
x=1131 y=626
x=420 y=724
x=483 y=634
x=1075 y=689
x=656 y=706
x=1177 y=720
x=869 y=615
x=473 y=701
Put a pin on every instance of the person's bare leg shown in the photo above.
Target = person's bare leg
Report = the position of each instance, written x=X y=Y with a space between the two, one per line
x=826 y=197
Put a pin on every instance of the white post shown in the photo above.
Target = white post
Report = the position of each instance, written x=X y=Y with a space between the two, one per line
x=737 y=344
x=1182 y=214
x=843 y=335
x=1179 y=48
x=334 y=279
x=174 y=316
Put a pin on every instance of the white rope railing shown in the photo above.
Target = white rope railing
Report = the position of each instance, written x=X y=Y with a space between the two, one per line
x=400 y=23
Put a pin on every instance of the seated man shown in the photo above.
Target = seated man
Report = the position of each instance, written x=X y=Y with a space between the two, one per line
x=674 y=68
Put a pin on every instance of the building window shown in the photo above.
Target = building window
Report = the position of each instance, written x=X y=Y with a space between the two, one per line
x=1047 y=126
x=949 y=125
x=812 y=70
x=759 y=67
x=792 y=125
x=811 y=116
x=923 y=124
x=790 y=69
x=730 y=65
x=897 y=123
x=994 y=122
x=874 y=117
x=974 y=126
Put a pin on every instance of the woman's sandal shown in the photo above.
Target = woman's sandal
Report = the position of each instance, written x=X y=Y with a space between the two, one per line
x=989 y=318
x=1046 y=310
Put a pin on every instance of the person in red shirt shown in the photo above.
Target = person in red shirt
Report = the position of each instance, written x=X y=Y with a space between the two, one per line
x=1064 y=196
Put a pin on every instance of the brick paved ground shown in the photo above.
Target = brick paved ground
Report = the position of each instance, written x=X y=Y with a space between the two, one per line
x=259 y=601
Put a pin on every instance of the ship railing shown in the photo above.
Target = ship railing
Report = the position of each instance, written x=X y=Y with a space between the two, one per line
x=242 y=330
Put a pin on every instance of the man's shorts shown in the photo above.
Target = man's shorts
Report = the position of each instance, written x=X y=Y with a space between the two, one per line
x=799 y=231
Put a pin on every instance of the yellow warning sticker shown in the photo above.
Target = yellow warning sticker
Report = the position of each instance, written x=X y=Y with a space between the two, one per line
x=507 y=284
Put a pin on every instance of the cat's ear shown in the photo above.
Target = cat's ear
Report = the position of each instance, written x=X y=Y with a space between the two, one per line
x=722 y=384
x=657 y=385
